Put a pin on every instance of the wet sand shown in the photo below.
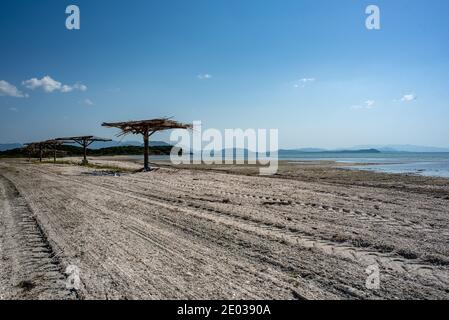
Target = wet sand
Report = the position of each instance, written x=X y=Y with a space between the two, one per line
x=310 y=232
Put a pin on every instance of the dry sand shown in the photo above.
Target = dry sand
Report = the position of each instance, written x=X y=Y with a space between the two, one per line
x=308 y=233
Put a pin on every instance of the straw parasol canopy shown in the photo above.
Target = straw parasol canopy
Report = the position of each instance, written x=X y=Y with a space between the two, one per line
x=146 y=128
x=83 y=141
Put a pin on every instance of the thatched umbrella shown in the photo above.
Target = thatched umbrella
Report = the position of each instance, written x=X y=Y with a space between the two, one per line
x=33 y=146
x=146 y=128
x=54 y=144
x=84 y=141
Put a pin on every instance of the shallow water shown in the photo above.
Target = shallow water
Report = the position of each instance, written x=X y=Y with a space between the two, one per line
x=428 y=169
x=425 y=163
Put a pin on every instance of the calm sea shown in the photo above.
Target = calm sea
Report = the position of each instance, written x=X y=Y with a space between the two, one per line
x=426 y=164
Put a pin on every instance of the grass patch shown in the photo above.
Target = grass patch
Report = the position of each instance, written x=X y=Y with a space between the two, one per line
x=436 y=259
x=384 y=247
x=26 y=285
x=111 y=168
x=340 y=238
x=407 y=254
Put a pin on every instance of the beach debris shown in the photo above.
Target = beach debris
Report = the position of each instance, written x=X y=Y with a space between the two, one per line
x=102 y=173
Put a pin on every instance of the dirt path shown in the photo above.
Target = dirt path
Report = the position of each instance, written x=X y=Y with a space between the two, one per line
x=180 y=234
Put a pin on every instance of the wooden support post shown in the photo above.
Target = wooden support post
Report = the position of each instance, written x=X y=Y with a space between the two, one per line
x=85 y=152
x=84 y=142
x=146 y=143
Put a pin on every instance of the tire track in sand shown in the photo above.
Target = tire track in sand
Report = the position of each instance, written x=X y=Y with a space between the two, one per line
x=173 y=251
x=289 y=202
x=424 y=272
x=388 y=261
x=35 y=272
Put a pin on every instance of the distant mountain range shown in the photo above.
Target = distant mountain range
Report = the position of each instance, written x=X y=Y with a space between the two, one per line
x=403 y=148
x=371 y=148
x=316 y=150
x=10 y=146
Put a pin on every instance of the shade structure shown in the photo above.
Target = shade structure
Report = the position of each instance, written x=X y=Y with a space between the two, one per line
x=146 y=128
x=40 y=146
x=84 y=141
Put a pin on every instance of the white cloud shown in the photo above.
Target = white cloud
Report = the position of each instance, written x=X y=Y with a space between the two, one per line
x=368 y=104
x=409 y=97
x=76 y=86
x=301 y=83
x=7 y=89
x=88 y=102
x=50 y=85
x=46 y=83
x=204 y=76
x=13 y=109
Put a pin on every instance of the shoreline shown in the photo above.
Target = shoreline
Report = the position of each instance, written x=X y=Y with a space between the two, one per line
x=127 y=162
x=408 y=166
x=249 y=169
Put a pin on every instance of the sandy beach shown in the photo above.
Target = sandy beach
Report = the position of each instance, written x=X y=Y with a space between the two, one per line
x=310 y=232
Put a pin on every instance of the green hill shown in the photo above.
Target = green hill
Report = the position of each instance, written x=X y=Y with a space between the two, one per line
x=73 y=151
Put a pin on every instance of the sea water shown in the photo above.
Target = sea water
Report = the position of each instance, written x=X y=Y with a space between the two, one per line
x=425 y=163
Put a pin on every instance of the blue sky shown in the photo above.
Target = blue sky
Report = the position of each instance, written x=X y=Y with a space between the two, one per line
x=307 y=67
